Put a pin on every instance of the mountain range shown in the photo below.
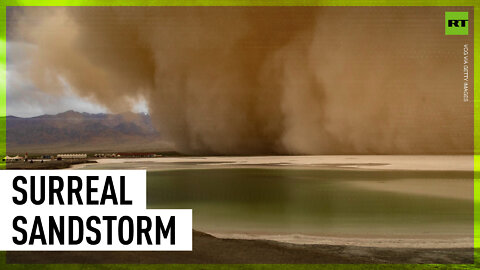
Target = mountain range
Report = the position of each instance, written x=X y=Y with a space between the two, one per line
x=73 y=131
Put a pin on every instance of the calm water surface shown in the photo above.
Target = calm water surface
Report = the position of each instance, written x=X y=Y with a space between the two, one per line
x=273 y=199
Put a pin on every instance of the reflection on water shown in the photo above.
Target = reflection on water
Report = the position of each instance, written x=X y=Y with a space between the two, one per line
x=279 y=200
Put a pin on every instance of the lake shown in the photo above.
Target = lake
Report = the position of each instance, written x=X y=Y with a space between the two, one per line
x=305 y=202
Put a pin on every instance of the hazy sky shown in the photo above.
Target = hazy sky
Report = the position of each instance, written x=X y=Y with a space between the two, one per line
x=24 y=99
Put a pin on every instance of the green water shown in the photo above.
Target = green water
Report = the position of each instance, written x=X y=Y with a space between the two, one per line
x=324 y=202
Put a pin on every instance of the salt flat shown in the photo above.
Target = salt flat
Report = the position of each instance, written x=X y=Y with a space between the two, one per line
x=378 y=162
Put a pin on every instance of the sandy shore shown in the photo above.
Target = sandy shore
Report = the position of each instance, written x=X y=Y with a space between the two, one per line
x=377 y=162
x=209 y=249
x=48 y=165
x=390 y=241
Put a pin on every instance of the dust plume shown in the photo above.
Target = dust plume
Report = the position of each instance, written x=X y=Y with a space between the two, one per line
x=263 y=80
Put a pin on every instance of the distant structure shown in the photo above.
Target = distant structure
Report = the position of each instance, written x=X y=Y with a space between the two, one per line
x=126 y=155
x=105 y=155
x=71 y=156
x=12 y=159
x=137 y=155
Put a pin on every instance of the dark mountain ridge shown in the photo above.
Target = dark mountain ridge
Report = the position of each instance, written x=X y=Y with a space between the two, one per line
x=73 y=131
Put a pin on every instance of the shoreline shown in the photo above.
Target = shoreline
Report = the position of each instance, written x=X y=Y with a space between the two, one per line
x=49 y=165
x=346 y=162
x=367 y=241
x=210 y=249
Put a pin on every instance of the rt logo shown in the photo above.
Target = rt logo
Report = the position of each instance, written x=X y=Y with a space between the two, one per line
x=456 y=23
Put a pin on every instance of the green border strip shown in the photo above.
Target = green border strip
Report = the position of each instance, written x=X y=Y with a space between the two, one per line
x=3 y=86
x=474 y=3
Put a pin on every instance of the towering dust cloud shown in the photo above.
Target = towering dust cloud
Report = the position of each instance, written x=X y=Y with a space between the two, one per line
x=262 y=80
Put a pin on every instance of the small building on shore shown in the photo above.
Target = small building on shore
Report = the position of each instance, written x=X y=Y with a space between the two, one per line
x=12 y=159
x=71 y=156
x=136 y=155
x=103 y=155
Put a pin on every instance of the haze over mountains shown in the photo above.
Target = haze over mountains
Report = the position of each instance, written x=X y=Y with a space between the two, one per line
x=73 y=131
